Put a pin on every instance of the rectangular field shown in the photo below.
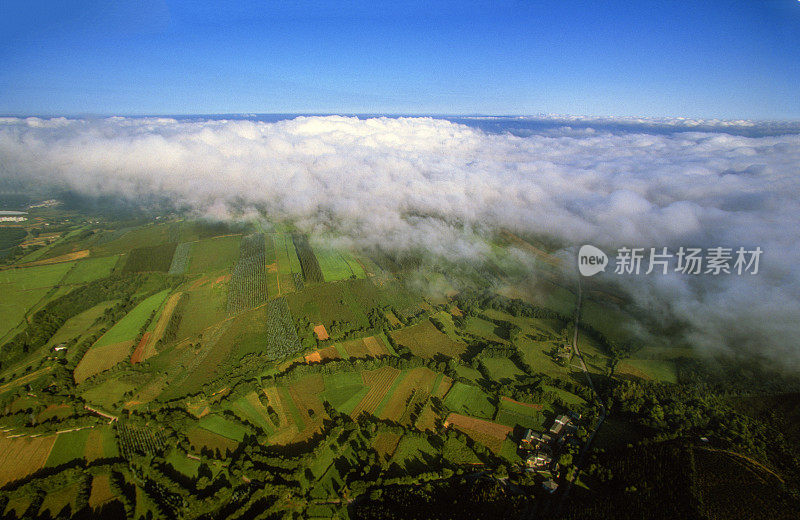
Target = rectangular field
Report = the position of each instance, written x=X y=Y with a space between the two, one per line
x=372 y=346
x=513 y=413
x=333 y=265
x=248 y=285
x=180 y=259
x=308 y=260
x=152 y=258
x=281 y=336
x=286 y=263
x=501 y=369
x=68 y=447
x=101 y=444
x=214 y=254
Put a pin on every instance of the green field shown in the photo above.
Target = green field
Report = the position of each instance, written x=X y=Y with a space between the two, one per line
x=205 y=307
x=224 y=427
x=344 y=390
x=107 y=393
x=547 y=327
x=91 y=269
x=412 y=452
x=468 y=373
x=568 y=397
x=457 y=452
x=285 y=254
x=338 y=265
x=483 y=328
x=246 y=408
x=469 y=400
x=128 y=327
x=147 y=236
x=80 y=324
x=382 y=405
x=247 y=333
x=24 y=287
x=513 y=414
x=214 y=254
x=68 y=447
x=345 y=302
x=182 y=463
x=252 y=398
x=656 y=369
x=425 y=340
x=501 y=369
x=151 y=258
x=535 y=354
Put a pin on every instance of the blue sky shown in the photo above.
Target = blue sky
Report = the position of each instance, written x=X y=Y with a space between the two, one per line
x=704 y=58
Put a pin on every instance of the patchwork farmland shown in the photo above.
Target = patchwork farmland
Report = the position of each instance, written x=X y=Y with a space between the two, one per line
x=167 y=368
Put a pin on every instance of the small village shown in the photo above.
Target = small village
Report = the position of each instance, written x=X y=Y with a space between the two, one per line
x=541 y=450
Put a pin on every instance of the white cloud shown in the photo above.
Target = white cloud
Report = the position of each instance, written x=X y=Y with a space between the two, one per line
x=365 y=177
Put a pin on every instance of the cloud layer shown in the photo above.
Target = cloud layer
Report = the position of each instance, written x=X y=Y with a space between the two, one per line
x=419 y=182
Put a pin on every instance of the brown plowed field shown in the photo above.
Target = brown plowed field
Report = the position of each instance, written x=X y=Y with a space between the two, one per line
x=314 y=357
x=321 y=333
x=138 y=352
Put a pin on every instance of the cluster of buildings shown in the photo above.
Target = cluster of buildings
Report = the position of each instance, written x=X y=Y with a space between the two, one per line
x=542 y=448
x=13 y=216
x=49 y=203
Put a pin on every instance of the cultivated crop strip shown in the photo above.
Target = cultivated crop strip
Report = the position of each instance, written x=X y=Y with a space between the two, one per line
x=282 y=337
x=248 y=286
